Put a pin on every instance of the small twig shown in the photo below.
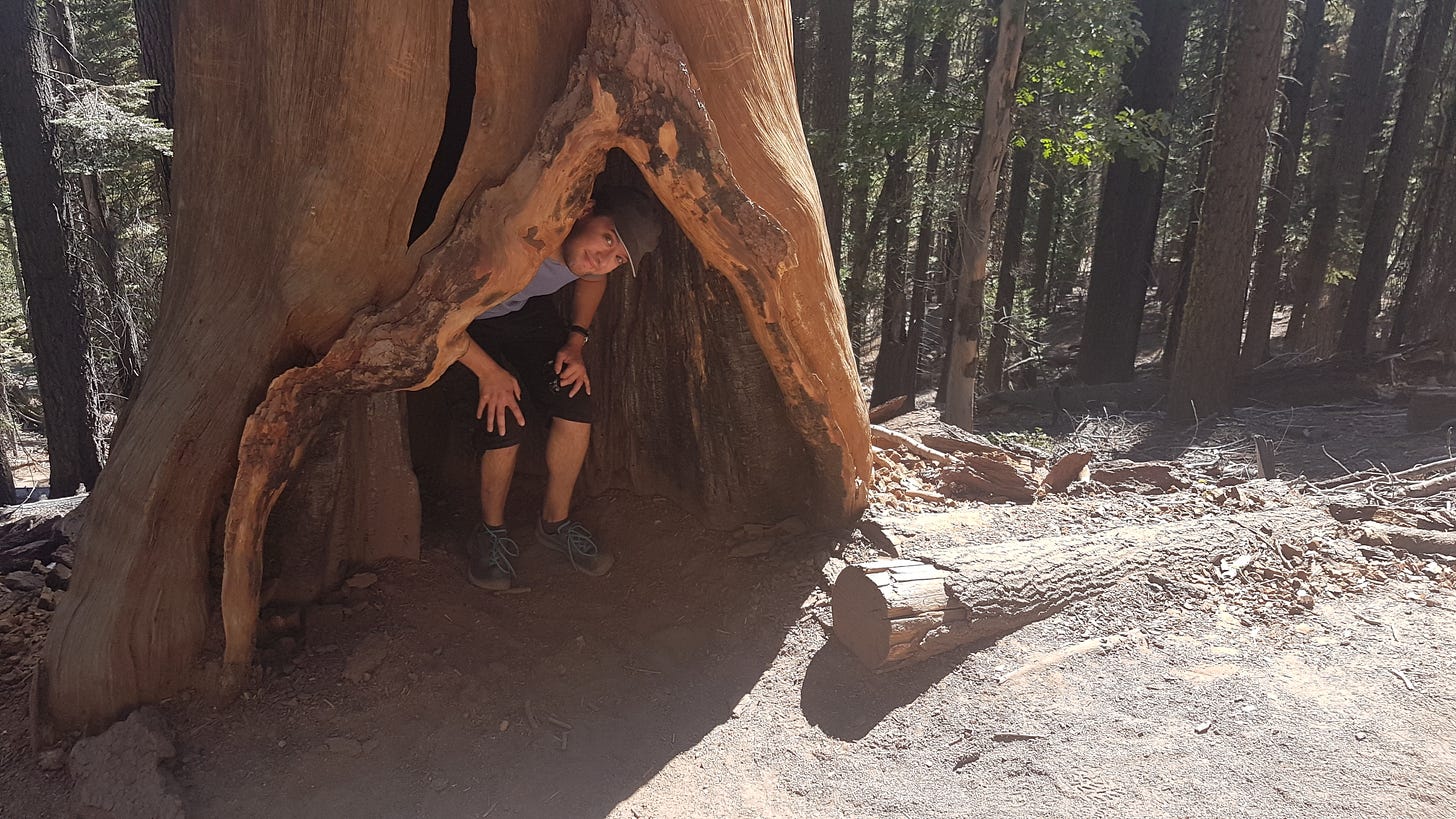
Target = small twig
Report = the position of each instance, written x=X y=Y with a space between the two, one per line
x=1403 y=678
x=640 y=670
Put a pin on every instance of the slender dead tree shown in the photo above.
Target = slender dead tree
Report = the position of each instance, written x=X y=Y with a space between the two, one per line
x=976 y=212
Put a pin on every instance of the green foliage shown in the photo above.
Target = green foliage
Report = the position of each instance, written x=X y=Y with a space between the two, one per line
x=105 y=127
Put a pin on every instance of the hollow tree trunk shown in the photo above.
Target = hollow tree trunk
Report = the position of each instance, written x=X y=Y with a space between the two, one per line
x=54 y=304
x=290 y=294
x=1127 y=218
x=1206 y=364
x=1415 y=102
x=1269 y=259
x=976 y=213
x=945 y=594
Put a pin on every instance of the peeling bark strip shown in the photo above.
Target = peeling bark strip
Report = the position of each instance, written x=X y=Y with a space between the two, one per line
x=632 y=88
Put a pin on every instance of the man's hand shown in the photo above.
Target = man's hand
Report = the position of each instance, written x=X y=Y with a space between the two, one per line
x=569 y=366
x=499 y=394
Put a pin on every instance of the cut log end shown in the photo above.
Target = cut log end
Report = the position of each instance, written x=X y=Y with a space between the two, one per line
x=890 y=611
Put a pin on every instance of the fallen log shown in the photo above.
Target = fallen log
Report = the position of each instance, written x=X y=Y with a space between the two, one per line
x=1071 y=468
x=1415 y=541
x=943 y=594
x=992 y=477
x=1153 y=474
x=890 y=439
x=890 y=409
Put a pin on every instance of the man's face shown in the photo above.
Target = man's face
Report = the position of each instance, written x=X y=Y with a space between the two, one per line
x=592 y=248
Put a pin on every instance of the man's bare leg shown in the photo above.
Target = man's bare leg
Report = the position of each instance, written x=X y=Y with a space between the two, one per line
x=565 y=453
x=496 y=468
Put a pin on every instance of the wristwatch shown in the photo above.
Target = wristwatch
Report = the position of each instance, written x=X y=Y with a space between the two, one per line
x=582 y=331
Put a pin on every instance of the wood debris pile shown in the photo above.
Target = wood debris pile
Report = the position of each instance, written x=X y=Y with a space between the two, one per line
x=933 y=470
x=35 y=566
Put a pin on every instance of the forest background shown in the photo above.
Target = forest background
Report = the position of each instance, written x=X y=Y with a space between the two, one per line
x=1094 y=242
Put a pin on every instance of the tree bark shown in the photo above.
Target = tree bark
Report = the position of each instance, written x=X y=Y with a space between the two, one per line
x=944 y=594
x=1047 y=204
x=53 y=280
x=1269 y=259
x=1343 y=159
x=1016 y=201
x=1206 y=365
x=290 y=293
x=1415 y=102
x=976 y=213
x=1127 y=219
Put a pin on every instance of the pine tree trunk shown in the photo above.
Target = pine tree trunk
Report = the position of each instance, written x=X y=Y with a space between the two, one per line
x=1207 y=358
x=857 y=275
x=1269 y=260
x=290 y=296
x=1016 y=201
x=976 y=213
x=893 y=360
x=835 y=55
x=1127 y=219
x=1041 y=248
x=1415 y=100
x=922 y=281
x=1342 y=160
x=154 y=40
x=1426 y=301
x=53 y=280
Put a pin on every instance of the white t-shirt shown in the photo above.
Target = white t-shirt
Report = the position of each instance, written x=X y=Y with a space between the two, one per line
x=550 y=277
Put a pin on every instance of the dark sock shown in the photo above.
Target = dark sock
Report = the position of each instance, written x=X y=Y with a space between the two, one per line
x=551 y=527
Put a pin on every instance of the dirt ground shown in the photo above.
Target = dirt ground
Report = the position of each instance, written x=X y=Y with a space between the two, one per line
x=693 y=683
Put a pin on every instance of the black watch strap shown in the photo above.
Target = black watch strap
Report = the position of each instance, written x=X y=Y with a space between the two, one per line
x=582 y=331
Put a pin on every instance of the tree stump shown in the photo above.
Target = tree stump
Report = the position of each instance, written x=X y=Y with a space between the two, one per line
x=890 y=613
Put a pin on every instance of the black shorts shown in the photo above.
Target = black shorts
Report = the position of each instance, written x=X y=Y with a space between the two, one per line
x=525 y=343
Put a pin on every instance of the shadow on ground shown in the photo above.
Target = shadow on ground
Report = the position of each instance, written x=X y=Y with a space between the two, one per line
x=423 y=696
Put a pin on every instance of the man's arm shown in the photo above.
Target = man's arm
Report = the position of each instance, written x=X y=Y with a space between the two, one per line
x=570 y=368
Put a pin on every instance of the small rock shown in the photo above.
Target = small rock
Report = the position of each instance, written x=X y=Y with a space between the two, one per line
x=47 y=600
x=363 y=580
x=23 y=581
x=53 y=759
x=59 y=577
x=1202 y=727
x=344 y=746
x=1361 y=736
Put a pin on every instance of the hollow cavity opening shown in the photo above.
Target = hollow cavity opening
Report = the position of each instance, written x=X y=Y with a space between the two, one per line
x=459 y=106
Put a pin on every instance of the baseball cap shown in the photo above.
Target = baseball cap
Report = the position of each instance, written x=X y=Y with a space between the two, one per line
x=635 y=218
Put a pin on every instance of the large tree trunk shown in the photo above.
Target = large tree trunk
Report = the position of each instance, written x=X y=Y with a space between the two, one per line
x=53 y=280
x=1127 y=218
x=1342 y=161
x=291 y=293
x=1208 y=350
x=943 y=593
x=1016 y=201
x=1269 y=260
x=1415 y=102
x=976 y=212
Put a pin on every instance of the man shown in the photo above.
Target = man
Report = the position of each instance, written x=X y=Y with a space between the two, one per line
x=524 y=343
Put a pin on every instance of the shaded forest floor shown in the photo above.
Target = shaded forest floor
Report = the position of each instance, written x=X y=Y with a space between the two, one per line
x=700 y=679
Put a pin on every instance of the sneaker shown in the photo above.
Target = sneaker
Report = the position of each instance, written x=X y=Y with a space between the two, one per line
x=575 y=541
x=490 y=551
